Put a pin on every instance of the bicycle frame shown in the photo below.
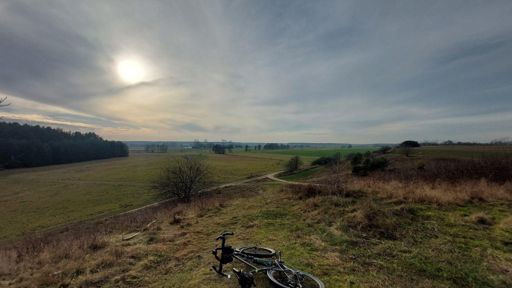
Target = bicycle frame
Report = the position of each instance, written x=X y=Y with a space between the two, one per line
x=269 y=264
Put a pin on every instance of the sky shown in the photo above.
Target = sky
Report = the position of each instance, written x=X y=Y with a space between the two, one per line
x=269 y=71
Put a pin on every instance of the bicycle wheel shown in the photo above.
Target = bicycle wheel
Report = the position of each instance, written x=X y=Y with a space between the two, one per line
x=260 y=252
x=286 y=278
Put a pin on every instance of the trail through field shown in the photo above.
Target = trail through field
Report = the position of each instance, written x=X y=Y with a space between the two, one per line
x=271 y=176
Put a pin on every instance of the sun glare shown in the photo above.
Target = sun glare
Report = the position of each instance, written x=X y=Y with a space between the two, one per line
x=131 y=71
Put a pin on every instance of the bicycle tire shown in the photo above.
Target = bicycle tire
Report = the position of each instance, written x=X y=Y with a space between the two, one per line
x=259 y=252
x=277 y=277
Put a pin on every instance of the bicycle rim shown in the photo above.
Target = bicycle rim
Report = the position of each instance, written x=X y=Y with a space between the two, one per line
x=279 y=277
x=260 y=252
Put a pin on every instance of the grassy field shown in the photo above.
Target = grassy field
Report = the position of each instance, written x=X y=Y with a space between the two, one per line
x=377 y=232
x=354 y=241
x=315 y=152
x=38 y=198
x=302 y=174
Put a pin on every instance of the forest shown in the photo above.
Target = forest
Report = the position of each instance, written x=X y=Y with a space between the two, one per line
x=23 y=145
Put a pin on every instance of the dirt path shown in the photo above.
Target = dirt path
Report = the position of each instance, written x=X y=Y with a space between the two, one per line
x=271 y=176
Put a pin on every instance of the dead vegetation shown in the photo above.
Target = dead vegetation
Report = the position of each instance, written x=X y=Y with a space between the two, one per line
x=372 y=220
x=437 y=181
x=496 y=170
x=91 y=254
x=437 y=192
x=481 y=218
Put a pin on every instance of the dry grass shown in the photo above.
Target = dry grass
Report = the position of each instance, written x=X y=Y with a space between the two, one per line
x=481 y=218
x=414 y=181
x=90 y=254
x=498 y=170
x=437 y=192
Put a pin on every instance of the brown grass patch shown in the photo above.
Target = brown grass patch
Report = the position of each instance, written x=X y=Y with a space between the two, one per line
x=481 y=218
x=371 y=220
x=497 y=170
x=93 y=253
x=437 y=192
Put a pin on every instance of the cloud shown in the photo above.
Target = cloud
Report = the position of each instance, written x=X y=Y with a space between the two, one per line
x=351 y=71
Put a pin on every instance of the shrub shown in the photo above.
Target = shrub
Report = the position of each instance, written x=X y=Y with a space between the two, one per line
x=293 y=164
x=306 y=191
x=184 y=178
x=368 y=164
x=355 y=158
x=410 y=144
x=384 y=150
x=331 y=160
x=322 y=161
x=378 y=163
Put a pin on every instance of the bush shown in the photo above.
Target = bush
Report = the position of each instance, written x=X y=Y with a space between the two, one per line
x=362 y=166
x=384 y=150
x=184 y=178
x=293 y=164
x=379 y=163
x=410 y=144
x=331 y=160
x=306 y=191
x=322 y=161
x=355 y=158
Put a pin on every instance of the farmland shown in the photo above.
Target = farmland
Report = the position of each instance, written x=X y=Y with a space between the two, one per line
x=38 y=198
x=314 y=153
x=382 y=230
x=415 y=244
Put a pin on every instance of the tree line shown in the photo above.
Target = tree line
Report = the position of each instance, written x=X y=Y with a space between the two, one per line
x=31 y=146
x=156 y=148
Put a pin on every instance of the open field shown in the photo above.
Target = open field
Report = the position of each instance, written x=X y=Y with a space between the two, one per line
x=315 y=152
x=38 y=198
x=387 y=229
x=352 y=241
x=459 y=151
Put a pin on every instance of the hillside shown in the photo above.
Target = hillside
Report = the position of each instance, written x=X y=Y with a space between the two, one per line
x=371 y=235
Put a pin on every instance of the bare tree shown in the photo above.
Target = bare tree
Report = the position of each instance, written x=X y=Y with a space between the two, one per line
x=184 y=178
x=2 y=104
x=293 y=164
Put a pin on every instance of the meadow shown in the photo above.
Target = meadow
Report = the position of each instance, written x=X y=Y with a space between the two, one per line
x=38 y=198
x=353 y=241
x=382 y=230
x=310 y=153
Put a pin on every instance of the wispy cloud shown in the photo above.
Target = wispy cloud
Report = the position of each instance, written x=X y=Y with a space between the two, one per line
x=351 y=71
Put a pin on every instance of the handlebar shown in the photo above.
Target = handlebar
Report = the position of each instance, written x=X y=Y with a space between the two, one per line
x=224 y=234
x=226 y=253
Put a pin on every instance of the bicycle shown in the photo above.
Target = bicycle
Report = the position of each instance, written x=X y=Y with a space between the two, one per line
x=261 y=259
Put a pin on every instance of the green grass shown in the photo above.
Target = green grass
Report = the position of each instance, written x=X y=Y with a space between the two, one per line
x=434 y=247
x=303 y=174
x=319 y=152
x=39 y=198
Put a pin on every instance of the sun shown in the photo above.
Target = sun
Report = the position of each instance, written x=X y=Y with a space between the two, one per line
x=131 y=71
